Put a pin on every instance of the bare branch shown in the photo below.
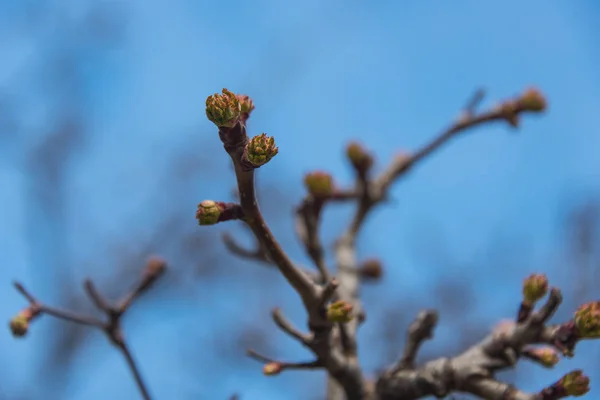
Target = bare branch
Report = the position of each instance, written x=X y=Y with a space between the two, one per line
x=285 y=325
x=420 y=330
x=112 y=327
x=282 y=365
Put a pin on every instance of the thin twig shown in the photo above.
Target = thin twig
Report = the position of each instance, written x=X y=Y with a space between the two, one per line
x=420 y=329
x=143 y=388
x=286 y=326
x=112 y=327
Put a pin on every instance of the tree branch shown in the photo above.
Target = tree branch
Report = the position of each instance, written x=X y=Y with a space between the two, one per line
x=111 y=327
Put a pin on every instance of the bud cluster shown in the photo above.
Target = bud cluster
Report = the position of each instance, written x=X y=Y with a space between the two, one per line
x=260 y=150
x=223 y=109
x=574 y=383
x=587 y=320
x=339 y=311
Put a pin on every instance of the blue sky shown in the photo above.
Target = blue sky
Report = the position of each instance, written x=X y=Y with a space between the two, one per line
x=389 y=73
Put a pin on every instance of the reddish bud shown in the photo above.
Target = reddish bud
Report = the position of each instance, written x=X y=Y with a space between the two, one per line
x=532 y=100
x=371 y=269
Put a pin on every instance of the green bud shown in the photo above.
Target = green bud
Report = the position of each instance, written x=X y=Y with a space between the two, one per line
x=575 y=383
x=547 y=356
x=272 y=368
x=246 y=104
x=535 y=288
x=19 y=325
x=223 y=109
x=260 y=150
x=587 y=320
x=358 y=156
x=340 y=311
x=208 y=212
x=319 y=184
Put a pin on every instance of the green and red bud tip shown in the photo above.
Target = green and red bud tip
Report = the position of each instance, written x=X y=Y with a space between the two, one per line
x=260 y=149
x=587 y=320
x=575 y=383
x=340 y=311
x=246 y=104
x=223 y=109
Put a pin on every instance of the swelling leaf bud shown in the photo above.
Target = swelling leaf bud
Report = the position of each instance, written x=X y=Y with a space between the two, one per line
x=223 y=109
x=260 y=150
x=535 y=288
x=208 y=212
x=358 y=156
x=546 y=356
x=371 y=269
x=272 y=368
x=319 y=184
x=575 y=383
x=19 y=325
x=587 y=320
x=246 y=104
x=339 y=311
x=532 y=100
x=155 y=266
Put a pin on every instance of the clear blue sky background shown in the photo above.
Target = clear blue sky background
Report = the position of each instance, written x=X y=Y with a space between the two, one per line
x=391 y=73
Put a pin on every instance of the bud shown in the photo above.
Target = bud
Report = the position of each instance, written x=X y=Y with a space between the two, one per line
x=360 y=159
x=587 y=320
x=260 y=149
x=155 y=266
x=546 y=356
x=534 y=288
x=246 y=104
x=575 y=383
x=19 y=325
x=371 y=269
x=319 y=184
x=223 y=109
x=339 y=311
x=532 y=100
x=208 y=212
x=272 y=368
